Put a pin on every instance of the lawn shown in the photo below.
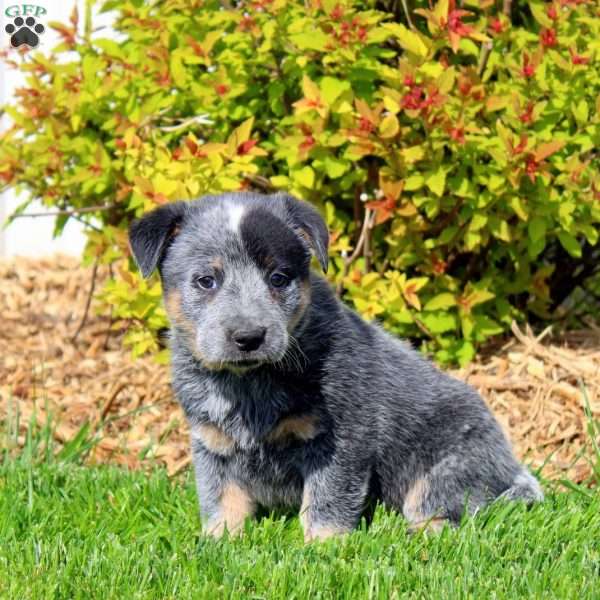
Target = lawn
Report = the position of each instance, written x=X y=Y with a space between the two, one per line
x=73 y=531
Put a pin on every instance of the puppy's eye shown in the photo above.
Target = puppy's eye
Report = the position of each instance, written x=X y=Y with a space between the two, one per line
x=279 y=280
x=206 y=282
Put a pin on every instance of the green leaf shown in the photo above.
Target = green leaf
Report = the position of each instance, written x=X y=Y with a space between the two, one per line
x=581 y=112
x=110 y=47
x=436 y=181
x=465 y=353
x=414 y=182
x=177 y=68
x=538 y=10
x=439 y=322
x=305 y=177
x=478 y=221
x=409 y=40
x=537 y=229
x=499 y=228
x=441 y=301
x=333 y=88
x=389 y=127
x=570 y=244
x=310 y=40
x=413 y=154
x=486 y=326
x=335 y=167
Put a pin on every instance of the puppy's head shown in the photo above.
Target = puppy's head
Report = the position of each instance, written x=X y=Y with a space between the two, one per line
x=235 y=272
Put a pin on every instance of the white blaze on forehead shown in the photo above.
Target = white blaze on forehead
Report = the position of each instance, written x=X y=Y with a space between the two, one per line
x=235 y=216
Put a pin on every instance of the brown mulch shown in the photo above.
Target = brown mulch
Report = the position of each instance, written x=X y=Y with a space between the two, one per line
x=533 y=384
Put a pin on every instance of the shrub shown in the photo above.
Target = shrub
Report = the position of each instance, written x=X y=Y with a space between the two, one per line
x=453 y=151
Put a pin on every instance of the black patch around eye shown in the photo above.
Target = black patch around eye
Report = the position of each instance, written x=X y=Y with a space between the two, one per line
x=270 y=242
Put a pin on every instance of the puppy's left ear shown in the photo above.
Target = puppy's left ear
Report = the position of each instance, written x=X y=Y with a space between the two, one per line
x=309 y=225
x=150 y=235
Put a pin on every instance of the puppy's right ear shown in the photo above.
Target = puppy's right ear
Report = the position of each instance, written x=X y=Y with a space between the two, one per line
x=150 y=235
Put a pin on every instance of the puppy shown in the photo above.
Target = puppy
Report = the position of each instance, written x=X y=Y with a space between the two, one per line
x=292 y=399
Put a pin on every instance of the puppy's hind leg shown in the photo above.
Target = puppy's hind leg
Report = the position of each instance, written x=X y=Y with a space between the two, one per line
x=417 y=510
x=455 y=486
x=525 y=487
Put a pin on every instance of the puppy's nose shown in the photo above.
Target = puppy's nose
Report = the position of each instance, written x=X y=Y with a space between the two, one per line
x=248 y=340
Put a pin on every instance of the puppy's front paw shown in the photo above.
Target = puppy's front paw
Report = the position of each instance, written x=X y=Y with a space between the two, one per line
x=235 y=506
x=217 y=528
x=431 y=526
x=322 y=532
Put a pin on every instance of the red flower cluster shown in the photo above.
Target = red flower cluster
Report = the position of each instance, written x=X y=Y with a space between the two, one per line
x=350 y=31
x=527 y=115
x=221 y=89
x=528 y=69
x=458 y=134
x=416 y=98
x=496 y=26
x=552 y=12
x=413 y=99
x=532 y=167
x=246 y=146
x=548 y=38
x=365 y=125
x=578 y=59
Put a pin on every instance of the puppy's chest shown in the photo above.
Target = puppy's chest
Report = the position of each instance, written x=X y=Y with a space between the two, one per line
x=233 y=435
x=264 y=415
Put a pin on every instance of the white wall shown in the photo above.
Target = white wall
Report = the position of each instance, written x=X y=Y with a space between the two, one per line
x=33 y=237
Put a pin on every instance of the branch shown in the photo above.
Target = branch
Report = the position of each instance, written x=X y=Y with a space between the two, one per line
x=507 y=7
x=70 y=213
x=197 y=119
x=435 y=229
x=486 y=50
x=367 y=224
x=424 y=329
x=87 y=223
x=88 y=302
x=407 y=15
x=367 y=246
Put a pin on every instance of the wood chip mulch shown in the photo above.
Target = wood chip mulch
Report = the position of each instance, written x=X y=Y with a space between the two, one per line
x=533 y=384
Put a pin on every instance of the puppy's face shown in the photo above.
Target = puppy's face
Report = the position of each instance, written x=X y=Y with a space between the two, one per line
x=235 y=272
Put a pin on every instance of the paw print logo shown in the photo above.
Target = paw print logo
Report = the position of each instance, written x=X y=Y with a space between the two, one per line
x=24 y=31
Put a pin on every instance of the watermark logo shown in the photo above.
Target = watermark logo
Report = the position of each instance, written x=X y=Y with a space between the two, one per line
x=25 y=28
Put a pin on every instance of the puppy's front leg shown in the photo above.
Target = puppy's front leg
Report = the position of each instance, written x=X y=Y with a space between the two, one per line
x=333 y=501
x=224 y=503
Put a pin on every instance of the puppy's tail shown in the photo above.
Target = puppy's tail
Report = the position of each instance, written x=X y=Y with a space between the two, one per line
x=524 y=487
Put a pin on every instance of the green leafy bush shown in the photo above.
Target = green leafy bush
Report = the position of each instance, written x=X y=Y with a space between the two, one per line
x=453 y=151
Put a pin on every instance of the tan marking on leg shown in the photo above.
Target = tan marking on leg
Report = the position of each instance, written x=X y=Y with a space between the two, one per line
x=236 y=506
x=413 y=510
x=304 y=512
x=412 y=507
x=323 y=532
x=303 y=427
x=305 y=297
x=213 y=438
x=433 y=525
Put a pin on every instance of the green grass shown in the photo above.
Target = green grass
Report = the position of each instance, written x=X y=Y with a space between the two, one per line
x=68 y=531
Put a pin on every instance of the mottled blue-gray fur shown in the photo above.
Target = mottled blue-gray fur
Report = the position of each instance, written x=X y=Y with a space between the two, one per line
x=328 y=411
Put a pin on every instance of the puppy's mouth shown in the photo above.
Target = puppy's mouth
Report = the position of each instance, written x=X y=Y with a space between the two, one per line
x=245 y=363
x=242 y=366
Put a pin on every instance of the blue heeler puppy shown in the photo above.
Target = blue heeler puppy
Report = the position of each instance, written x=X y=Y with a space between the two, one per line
x=292 y=399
